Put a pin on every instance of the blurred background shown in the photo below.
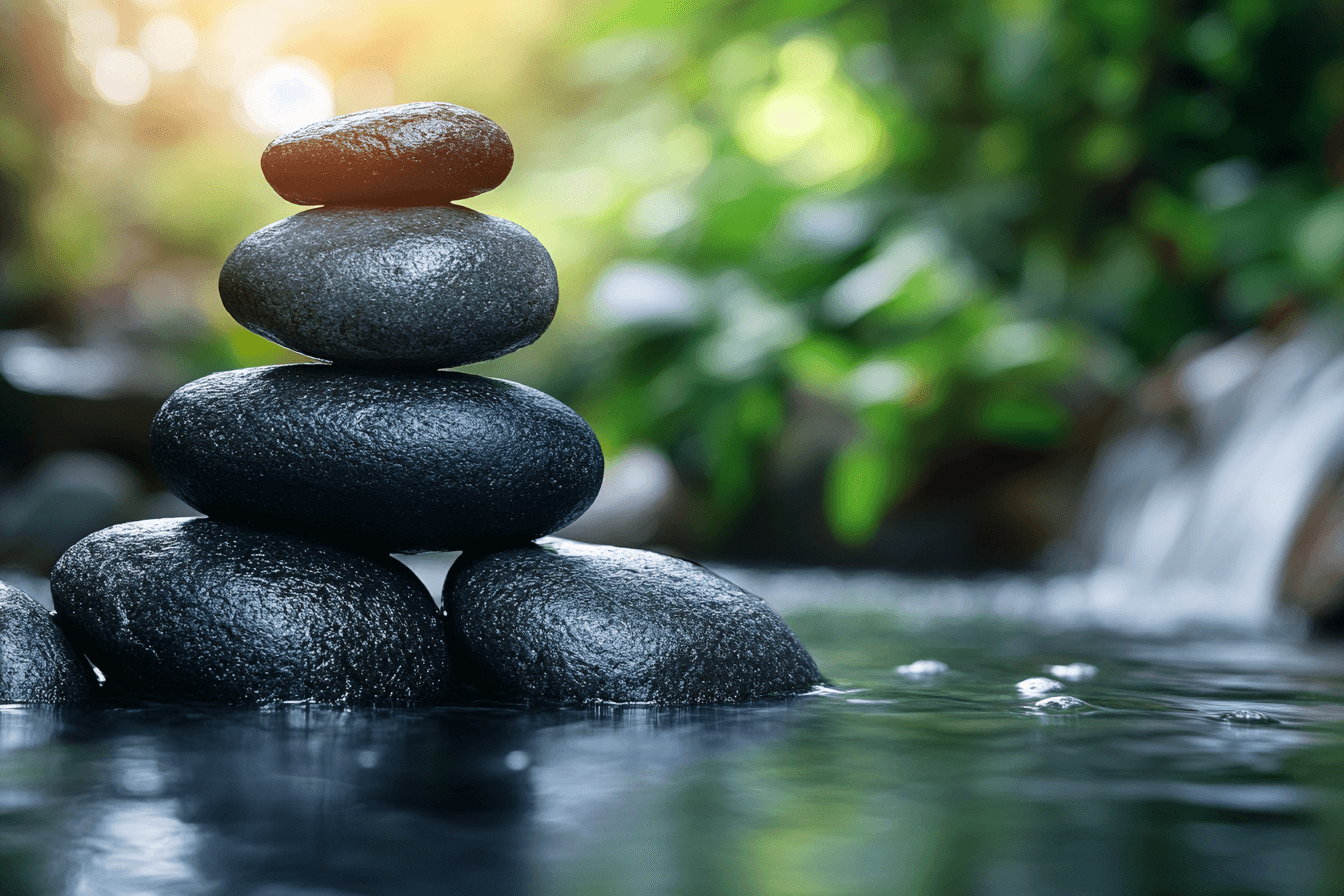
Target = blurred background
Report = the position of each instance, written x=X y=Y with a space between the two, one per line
x=843 y=282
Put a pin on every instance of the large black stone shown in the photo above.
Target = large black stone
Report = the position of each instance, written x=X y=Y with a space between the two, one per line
x=194 y=609
x=37 y=664
x=565 y=623
x=405 y=462
x=413 y=153
x=431 y=286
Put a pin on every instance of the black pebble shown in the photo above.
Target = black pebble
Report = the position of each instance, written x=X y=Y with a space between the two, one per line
x=194 y=609
x=385 y=461
x=37 y=664
x=428 y=287
x=568 y=623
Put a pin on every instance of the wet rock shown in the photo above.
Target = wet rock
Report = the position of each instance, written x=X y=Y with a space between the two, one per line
x=417 y=153
x=564 y=623
x=428 y=287
x=385 y=461
x=195 y=609
x=37 y=664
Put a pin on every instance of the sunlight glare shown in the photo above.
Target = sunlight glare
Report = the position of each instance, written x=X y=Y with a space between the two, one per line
x=286 y=95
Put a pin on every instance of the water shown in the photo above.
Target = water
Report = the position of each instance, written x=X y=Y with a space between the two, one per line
x=1194 y=523
x=1183 y=765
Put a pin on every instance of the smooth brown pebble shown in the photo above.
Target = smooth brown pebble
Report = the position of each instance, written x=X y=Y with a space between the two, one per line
x=413 y=154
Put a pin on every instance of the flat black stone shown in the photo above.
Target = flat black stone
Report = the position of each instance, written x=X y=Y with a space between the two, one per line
x=386 y=461
x=37 y=663
x=429 y=287
x=569 y=623
x=199 y=610
x=422 y=153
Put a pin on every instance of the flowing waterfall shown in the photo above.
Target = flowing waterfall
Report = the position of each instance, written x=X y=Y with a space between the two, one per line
x=1193 y=526
x=1180 y=526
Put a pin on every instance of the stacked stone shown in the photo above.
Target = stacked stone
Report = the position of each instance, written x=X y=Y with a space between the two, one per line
x=311 y=474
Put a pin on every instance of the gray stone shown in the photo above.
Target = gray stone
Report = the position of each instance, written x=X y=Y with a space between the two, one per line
x=417 y=153
x=195 y=609
x=379 y=460
x=432 y=286
x=37 y=663
x=565 y=623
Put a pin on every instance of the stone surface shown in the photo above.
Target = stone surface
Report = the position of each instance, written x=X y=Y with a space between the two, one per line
x=195 y=609
x=417 y=153
x=565 y=623
x=387 y=461
x=433 y=286
x=37 y=663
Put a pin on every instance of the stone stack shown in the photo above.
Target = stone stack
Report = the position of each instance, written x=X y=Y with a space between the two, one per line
x=311 y=474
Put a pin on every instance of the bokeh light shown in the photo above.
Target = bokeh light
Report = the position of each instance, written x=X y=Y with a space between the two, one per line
x=168 y=43
x=286 y=95
x=121 y=76
x=93 y=28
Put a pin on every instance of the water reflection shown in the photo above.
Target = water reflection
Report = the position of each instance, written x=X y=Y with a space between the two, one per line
x=950 y=783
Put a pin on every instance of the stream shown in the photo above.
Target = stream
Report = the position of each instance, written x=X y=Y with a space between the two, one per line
x=1158 y=765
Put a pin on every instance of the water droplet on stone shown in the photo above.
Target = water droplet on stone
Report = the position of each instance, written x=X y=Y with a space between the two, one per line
x=922 y=669
x=1034 y=687
x=1247 y=717
x=1062 y=703
x=1073 y=671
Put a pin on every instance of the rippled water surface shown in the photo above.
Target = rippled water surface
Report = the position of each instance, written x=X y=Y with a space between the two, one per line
x=1185 y=765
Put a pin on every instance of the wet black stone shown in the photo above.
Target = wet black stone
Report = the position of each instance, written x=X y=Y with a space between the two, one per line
x=423 y=153
x=565 y=623
x=387 y=461
x=37 y=663
x=433 y=286
x=199 y=610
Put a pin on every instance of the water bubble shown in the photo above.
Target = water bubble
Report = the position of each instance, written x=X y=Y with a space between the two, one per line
x=922 y=669
x=1073 y=671
x=1062 y=703
x=1247 y=717
x=1034 y=687
x=367 y=758
x=517 y=760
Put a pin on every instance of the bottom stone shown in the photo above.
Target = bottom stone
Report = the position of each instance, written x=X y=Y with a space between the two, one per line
x=37 y=664
x=195 y=609
x=561 y=622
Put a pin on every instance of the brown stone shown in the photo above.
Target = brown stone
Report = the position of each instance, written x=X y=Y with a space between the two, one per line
x=413 y=154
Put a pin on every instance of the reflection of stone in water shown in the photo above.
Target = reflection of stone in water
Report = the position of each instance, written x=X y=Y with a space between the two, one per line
x=589 y=768
x=23 y=727
x=137 y=846
x=355 y=801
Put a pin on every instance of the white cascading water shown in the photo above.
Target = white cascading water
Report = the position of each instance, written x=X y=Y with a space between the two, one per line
x=1180 y=528
x=1195 y=527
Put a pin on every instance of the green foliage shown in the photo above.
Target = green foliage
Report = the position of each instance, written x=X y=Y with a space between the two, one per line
x=930 y=218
